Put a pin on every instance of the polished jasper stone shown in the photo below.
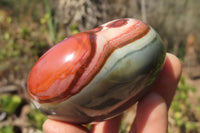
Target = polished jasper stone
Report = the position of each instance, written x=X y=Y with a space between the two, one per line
x=97 y=74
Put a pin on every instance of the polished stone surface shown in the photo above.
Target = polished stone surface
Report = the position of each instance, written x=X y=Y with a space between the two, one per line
x=97 y=74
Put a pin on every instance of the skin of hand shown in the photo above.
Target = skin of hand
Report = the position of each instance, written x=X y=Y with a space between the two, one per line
x=152 y=110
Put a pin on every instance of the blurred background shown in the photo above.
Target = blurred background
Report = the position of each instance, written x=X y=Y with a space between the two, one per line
x=29 y=28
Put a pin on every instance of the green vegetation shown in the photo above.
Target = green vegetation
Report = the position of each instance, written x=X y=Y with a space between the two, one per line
x=181 y=108
x=6 y=129
x=74 y=29
x=9 y=103
x=36 y=118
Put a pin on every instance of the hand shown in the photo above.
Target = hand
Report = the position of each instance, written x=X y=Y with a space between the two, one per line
x=151 y=111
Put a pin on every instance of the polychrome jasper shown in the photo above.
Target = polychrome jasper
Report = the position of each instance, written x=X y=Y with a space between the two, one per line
x=97 y=74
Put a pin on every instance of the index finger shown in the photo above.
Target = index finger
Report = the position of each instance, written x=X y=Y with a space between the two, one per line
x=168 y=78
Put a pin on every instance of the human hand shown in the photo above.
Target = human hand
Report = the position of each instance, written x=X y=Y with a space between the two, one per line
x=151 y=110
